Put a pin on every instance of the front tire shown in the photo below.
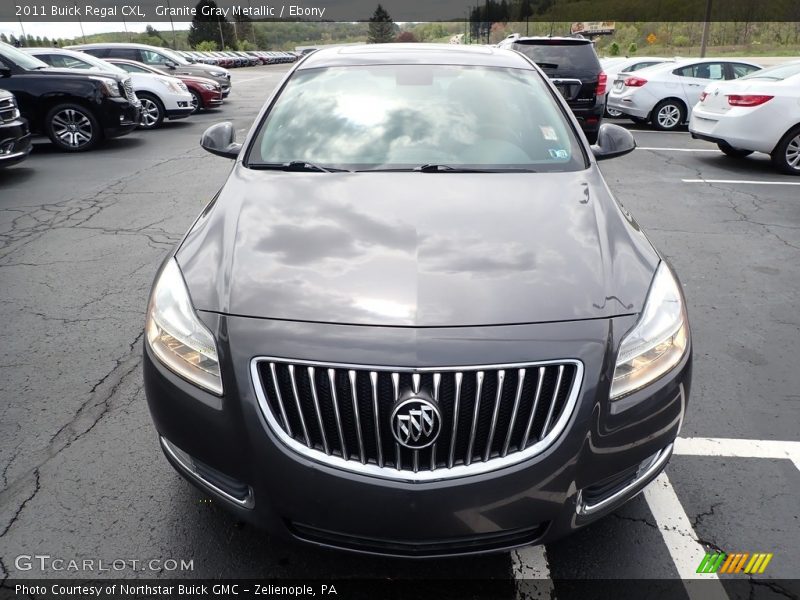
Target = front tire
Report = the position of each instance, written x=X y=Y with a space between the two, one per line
x=729 y=150
x=197 y=102
x=72 y=128
x=786 y=156
x=668 y=115
x=153 y=112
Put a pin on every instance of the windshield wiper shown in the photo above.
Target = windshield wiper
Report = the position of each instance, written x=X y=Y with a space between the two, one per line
x=297 y=165
x=437 y=168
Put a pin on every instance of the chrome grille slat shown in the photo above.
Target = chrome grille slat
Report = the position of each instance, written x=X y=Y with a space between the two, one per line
x=475 y=413
x=286 y=422
x=552 y=403
x=354 y=395
x=373 y=379
x=501 y=377
x=317 y=410
x=456 y=403
x=539 y=382
x=515 y=410
x=335 y=402
x=299 y=408
x=490 y=416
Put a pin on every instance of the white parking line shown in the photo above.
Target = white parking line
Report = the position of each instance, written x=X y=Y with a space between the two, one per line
x=681 y=540
x=679 y=149
x=532 y=573
x=741 y=181
x=738 y=448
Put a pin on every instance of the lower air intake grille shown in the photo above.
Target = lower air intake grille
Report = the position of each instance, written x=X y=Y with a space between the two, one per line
x=486 y=416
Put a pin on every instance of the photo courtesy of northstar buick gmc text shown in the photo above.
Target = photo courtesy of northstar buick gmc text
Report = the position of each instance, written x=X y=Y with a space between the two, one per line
x=349 y=330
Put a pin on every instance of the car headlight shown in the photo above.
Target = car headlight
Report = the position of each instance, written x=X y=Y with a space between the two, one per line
x=175 y=334
x=209 y=86
x=217 y=73
x=657 y=342
x=172 y=86
x=110 y=86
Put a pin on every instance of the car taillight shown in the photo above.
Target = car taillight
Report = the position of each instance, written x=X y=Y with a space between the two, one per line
x=635 y=82
x=748 y=99
x=602 y=79
x=703 y=96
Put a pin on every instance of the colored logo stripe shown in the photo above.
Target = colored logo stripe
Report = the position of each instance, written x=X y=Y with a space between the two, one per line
x=722 y=562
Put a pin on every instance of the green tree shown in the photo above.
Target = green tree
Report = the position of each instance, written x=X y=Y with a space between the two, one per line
x=381 y=27
x=613 y=49
x=207 y=46
x=244 y=28
x=632 y=48
x=211 y=28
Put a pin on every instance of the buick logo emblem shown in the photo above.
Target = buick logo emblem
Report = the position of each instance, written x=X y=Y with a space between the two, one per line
x=416 y=423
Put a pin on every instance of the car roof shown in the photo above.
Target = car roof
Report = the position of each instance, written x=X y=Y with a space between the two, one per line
x=545 y=39
x=430 y=54
x=53 y=50
x=119 y=45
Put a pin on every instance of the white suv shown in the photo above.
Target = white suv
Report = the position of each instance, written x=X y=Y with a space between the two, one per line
x=162 y=97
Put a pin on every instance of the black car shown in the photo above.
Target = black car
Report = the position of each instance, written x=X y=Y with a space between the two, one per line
x=75 y=109
x=15 y=137
x=573 y=66
x=413 y=324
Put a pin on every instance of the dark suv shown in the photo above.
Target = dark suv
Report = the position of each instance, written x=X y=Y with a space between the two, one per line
x=75 y=109
x=572 y=64
x=15 y=138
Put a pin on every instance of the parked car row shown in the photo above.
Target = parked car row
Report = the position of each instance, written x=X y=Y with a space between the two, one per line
x=77 y=99
x=231 y=58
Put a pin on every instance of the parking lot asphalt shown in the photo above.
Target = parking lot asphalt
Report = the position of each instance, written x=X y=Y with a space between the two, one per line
x=82 y=474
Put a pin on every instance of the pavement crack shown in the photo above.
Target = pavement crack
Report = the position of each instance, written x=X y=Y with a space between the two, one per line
x=709 y=513
x=635 y=520
x=772 y=586
x=21 y=507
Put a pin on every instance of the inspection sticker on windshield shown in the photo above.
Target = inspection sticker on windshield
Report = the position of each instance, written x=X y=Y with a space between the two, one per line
x=548 y=132
x=560 y=154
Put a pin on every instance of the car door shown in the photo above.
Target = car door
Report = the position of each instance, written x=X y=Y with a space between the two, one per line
x=696 y=77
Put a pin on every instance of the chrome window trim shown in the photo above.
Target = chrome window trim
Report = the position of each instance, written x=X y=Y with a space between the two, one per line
x=372 y=470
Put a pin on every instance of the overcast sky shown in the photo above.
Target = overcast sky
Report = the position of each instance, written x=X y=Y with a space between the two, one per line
x=73 y=30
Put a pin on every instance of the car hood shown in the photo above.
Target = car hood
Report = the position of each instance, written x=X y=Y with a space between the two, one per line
x=417 y=249
x=76 y=73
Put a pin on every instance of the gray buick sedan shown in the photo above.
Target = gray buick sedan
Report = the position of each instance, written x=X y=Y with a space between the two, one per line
x=414 y=321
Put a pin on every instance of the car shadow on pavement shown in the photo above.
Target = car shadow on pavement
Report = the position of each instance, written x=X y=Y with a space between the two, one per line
x=15 y=175
x=756 y=165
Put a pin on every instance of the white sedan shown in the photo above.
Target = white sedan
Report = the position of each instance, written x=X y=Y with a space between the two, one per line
x=162 y=97
x=615 y=65
x=665 y=94
x=758 y=113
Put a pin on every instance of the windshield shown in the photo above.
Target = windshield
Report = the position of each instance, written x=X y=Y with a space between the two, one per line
x=406 y=116
x=565 y=56
x=19 y=58
x=778 y=73
x=173 y=56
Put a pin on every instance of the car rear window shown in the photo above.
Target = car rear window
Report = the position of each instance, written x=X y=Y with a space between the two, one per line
x=778 y=73
x=405 y=116
x=563 y=55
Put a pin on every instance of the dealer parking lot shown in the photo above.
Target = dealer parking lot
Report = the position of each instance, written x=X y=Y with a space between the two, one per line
x=82 y=235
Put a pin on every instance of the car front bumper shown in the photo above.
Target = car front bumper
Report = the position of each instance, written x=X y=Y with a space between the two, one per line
x=119 y=117
x=225 y=446
x=15 y=142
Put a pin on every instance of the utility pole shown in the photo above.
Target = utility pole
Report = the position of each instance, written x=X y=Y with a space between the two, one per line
x=706 y=27
x=174 y=42
x=83 y=35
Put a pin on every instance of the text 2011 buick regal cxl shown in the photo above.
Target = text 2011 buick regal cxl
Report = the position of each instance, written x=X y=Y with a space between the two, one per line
x=414 y=321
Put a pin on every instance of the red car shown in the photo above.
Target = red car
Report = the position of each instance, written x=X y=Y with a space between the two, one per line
x=206 y=93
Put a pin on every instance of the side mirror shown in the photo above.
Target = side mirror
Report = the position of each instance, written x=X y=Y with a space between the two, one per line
x=613 y=141
x=171 y=65
x=220 y=139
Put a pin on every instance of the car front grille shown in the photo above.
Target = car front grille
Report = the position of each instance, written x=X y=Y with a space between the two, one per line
x=490 y=416
x=8 y=110
x=128 y=91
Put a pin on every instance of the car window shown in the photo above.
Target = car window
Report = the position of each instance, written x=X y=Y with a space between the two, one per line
x=131 y=68
x=98 y=52
x=403 y=116
x=154 y=58
x=712 y=71
x=64 y=62
x=778 y=73
x=642 y=65
x=740 y=69
x=560 y=56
